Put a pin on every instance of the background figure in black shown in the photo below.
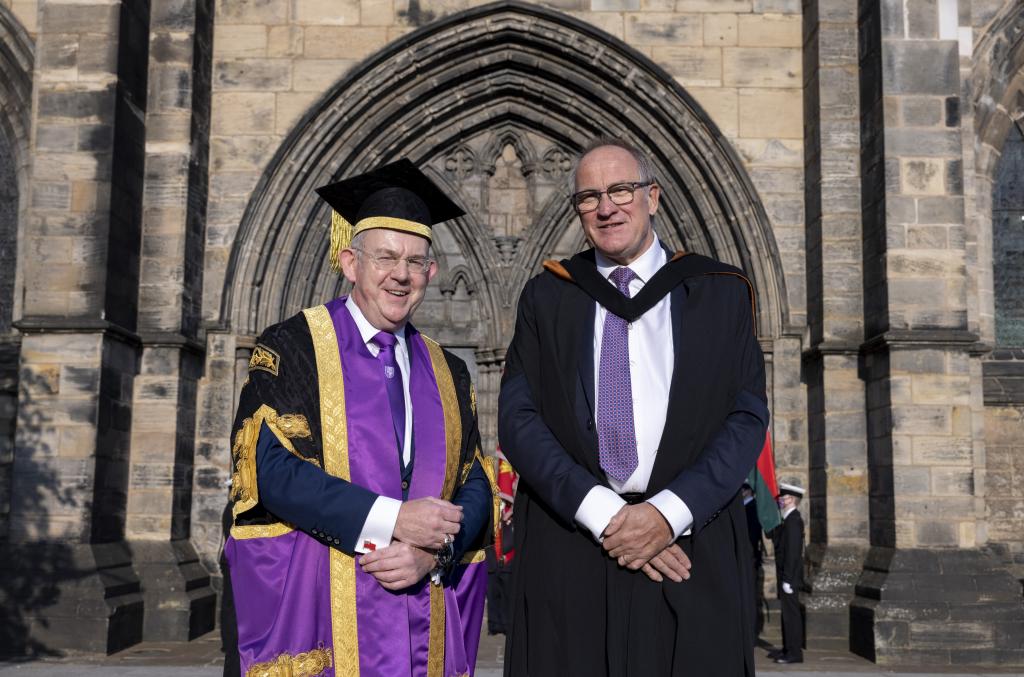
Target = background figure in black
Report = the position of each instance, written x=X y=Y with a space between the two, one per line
x=499 y=558
x=788 y=539
x=757 y=547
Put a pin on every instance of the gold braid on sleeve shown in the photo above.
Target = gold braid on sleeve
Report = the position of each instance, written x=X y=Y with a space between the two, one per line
x=244 y=487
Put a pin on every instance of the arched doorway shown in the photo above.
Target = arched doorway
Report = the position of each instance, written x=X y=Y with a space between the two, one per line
x=493 y=102
x=15 y=122
x=998 y=105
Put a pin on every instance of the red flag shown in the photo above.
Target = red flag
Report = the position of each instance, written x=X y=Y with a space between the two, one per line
x=766 y=488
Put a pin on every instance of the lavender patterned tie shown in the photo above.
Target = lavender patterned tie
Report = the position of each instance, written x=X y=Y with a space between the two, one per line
x=393 y=380
x=616 y=436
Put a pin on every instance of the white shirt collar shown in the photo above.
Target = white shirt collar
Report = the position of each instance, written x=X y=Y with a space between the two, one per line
x=366 y=330
x=785 y=513
x=645 y=267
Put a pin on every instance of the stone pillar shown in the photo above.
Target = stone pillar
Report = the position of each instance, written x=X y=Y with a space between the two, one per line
x=180 y=604
x=928 y=593
x=490 y=365
x=837 y=503
x=79 y=350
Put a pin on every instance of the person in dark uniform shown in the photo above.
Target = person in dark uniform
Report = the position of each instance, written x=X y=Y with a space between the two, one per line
x=788 y=539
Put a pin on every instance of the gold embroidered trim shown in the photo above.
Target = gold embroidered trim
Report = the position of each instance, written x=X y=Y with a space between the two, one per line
x=244 y=489
x=306 y=664
x=452 y=418
x=294 y=425
x=246 y=531
x=392 y=223
x=334 y=433
x=435 y=645
x=492 y=479
x=474 y=556
x=265 y=359
x=453 y=445
x=342 y=232
x=472 y=398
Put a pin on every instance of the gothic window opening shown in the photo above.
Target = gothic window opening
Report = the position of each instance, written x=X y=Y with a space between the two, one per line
x=1008 y=242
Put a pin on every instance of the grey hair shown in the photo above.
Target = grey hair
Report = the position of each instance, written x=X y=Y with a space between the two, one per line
x=642 y=160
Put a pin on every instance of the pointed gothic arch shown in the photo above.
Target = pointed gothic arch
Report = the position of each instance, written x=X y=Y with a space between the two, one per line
x=16 y=61
x=505 y=65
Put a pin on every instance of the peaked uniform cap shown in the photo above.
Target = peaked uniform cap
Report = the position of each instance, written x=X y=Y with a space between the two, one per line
x=790 y=490
x=397 y=196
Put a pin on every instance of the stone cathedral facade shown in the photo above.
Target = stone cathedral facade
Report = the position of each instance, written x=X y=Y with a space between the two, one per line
x=863 y=161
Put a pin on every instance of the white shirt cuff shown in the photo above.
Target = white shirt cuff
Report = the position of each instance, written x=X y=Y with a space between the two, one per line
x=675 y=512
x=379 y=524
x=598 y=508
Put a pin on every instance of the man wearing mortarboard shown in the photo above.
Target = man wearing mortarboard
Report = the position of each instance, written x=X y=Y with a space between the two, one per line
x=360 y=501
x=788 y=539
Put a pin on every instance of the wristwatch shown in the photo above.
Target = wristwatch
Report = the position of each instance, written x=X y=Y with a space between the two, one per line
x=442 y=561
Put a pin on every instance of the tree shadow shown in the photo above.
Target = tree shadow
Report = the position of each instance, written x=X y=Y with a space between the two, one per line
x=34 y=569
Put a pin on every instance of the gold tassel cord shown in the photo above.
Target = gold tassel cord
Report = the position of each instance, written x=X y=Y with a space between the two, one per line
x=341 y=238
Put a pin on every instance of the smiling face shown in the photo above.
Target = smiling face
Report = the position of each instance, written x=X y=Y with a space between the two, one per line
x=620 y=232
x=386 y=298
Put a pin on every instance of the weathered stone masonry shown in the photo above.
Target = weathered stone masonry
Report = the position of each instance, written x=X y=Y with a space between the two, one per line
x=157 y=161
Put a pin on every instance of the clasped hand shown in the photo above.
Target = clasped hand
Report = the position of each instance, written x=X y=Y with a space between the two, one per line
x=423 y=526
x=640 y=538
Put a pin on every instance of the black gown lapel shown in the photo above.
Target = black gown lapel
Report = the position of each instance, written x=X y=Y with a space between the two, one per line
x=575 y=362
x=678 y=301
x=584 y=407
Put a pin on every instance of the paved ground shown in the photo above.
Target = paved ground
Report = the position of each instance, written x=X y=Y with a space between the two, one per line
x=203 y=659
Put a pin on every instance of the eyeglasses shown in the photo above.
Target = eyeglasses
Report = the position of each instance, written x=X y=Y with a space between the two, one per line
x=619 y=193
x=386 y=262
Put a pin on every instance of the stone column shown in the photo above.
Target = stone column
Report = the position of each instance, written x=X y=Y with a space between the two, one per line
x=490 y=365
x=929 y=593
x=180 y=604
x=837 y=502
x=80 y=348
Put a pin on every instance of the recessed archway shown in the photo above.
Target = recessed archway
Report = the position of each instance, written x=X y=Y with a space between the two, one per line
x=16 y=60
x=513 y=69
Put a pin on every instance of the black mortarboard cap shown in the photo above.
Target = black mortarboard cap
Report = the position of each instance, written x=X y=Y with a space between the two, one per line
x=397 y=196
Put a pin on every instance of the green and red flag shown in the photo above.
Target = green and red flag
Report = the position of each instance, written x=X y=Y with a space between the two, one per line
x=766 y=488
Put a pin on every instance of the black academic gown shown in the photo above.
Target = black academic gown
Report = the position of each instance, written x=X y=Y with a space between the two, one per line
x=574 y=610
x=293 y=487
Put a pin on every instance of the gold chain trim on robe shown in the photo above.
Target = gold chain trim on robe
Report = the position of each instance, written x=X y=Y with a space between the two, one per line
x=246 y=531
x=453 y=445
x=308 y=664
x=334 y=433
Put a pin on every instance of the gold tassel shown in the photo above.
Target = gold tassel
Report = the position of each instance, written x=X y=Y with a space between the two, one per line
x=341 y=238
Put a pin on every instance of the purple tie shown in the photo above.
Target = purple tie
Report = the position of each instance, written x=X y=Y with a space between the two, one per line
x=393 y=380
x=616 y=436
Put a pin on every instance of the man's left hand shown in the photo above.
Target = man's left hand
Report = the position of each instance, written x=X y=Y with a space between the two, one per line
x=636 y=534
x=398 y=566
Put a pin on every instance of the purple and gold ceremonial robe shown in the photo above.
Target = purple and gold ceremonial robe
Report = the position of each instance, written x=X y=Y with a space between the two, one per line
x=304 y=605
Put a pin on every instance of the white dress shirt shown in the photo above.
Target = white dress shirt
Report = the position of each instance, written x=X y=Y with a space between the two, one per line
x=380 y=522
x=651 y=361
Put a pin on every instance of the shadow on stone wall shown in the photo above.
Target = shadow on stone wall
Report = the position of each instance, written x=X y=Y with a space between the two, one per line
x=33 y=571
